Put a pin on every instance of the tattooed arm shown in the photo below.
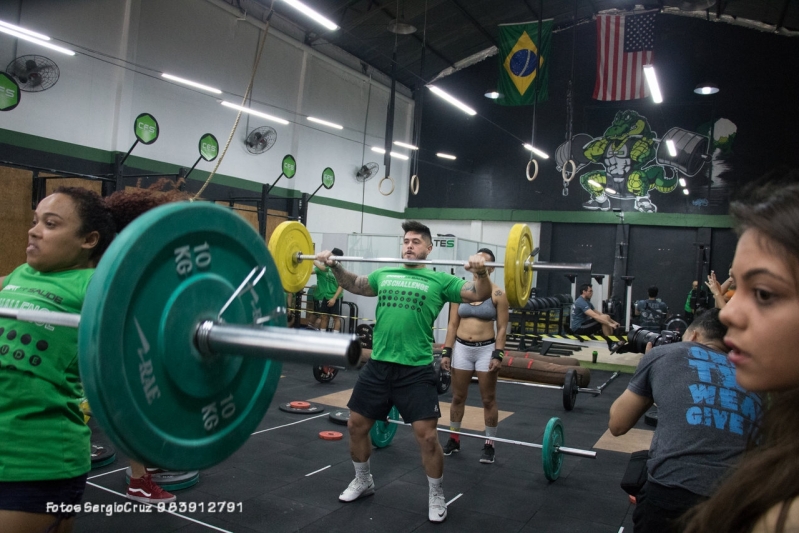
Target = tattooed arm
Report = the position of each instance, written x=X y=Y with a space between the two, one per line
x=503 y=316
x=347 y=280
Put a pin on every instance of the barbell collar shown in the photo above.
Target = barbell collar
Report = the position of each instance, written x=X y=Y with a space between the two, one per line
x=538 y=265
x=53 y=318
x=280 y=344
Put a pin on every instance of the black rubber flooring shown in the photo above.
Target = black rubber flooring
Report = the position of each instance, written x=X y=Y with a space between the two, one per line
x=288 y=479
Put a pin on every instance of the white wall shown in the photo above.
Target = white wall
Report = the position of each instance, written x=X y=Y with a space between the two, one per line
x=123 y=47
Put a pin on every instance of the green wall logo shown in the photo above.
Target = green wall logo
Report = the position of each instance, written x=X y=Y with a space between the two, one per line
x=328 y=178
x=9 y=92
x=289 y=166
x=444 y=243
x=209 y=147
x=146 y=128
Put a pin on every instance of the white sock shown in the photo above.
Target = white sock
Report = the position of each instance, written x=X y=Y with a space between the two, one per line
x=436 y=484
x=362 y=469
x=491 y=432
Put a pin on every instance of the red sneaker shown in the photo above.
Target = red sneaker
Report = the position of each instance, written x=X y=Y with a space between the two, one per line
x=145 y=490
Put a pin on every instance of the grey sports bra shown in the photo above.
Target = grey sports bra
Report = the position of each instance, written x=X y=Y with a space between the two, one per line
x=484 y=311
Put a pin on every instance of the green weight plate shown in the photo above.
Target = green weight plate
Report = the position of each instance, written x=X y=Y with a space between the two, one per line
x=552 y=458
x=156 y=398
x=382 y=433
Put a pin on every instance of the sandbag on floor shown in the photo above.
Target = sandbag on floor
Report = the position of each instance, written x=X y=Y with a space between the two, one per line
x=541 y=372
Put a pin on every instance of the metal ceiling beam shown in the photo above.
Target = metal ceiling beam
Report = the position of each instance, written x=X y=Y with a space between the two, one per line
x=475 y=23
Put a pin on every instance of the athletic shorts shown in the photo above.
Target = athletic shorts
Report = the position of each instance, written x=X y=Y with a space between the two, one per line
x=380 y=385
x=320 y=306
x=588 y=328
x=63 y=495
x=472 y=355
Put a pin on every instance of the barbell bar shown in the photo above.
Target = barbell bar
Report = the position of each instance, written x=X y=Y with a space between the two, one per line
x=293 y=250
x=553 y=448
x=174 y=368
x=570 y=387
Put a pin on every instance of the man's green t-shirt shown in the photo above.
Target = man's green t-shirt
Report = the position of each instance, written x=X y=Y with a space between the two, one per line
x=42 y=432
x=408 y=302
x=326 y=284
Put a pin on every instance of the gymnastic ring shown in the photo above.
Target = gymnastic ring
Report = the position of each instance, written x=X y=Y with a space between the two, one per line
x=415 y=190
x=535 y=174
x=563 y=172
x=380 y=186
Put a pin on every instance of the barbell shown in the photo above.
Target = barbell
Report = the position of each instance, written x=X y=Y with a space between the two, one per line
x=172 y=363
x=293 y=251
x=552 y=449
x=570 y=387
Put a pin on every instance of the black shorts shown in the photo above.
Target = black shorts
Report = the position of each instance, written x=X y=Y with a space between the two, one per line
x=588 y=328
x=62 y=495
x=412 y=389
x=320 y=306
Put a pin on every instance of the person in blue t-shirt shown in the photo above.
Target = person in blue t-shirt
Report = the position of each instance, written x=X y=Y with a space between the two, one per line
x=585 y=320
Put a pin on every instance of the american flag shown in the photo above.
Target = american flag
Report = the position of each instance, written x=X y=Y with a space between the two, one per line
x=624 y=45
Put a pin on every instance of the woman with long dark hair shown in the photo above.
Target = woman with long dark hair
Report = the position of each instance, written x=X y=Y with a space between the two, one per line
x=762 y=494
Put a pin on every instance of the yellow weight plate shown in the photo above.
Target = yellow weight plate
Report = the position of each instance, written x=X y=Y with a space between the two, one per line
x=518 y=278
x=289 y=239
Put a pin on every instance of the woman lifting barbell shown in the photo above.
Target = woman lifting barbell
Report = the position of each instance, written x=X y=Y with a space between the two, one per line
x=472 y=347
x=44 y=466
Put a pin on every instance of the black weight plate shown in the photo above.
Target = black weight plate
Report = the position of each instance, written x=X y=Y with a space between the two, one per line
x=340 y=416
x=324 y=374
x=570 y=389
x=651 y=417
x=313 y=408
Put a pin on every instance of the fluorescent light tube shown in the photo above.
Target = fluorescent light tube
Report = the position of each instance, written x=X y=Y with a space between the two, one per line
x=23 y=30
x=446 y=156
x=536 y=151
x=652 y=82
x=308 y=12
x=191 y=83
x=24 y=37
x=452 y=100
x=406 y=145
x=326 y=123
x=255 y=113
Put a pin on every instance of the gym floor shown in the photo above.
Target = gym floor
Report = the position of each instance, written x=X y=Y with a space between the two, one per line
x=286 y=478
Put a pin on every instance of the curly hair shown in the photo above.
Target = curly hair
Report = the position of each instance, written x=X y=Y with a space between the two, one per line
x=129 y=204
x=94 y=216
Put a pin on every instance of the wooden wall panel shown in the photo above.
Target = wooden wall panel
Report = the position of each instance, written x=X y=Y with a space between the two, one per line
x=15 y=217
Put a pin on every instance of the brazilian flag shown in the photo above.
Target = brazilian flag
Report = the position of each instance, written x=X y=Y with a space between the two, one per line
x=524 y=62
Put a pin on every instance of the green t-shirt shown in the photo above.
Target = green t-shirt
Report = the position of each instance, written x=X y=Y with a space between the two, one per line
x=326 y=284
x=42 y=433
x=408 y=302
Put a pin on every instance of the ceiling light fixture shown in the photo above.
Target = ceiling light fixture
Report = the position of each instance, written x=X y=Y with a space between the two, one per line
x=255 y=113
x=392 y=154
x=492 y=95
x=406 y=145
x=191 y=83
x=682 y=182
x=446 y=156
x=326 y=123
x=594 y=183
x=452 y=100
x=308 y=12
x=40 y=42
x=25 y=31
x=652 y=82
x=706 y=88
x=536 y=151
x=609 y=190
x=685 y=192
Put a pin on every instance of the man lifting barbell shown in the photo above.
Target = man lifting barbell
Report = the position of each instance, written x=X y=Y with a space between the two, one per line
x=400 y=371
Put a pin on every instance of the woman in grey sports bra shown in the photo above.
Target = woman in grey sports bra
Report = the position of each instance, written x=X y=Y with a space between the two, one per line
x=474 y=347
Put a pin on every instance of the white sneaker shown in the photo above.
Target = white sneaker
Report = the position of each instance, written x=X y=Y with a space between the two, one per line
x=358 y=487
x=437 y=511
